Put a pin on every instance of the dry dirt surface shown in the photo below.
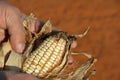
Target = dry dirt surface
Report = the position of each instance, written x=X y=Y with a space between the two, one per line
x=74 y=16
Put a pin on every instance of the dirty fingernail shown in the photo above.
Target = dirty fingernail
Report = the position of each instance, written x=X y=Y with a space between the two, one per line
x=20 y=47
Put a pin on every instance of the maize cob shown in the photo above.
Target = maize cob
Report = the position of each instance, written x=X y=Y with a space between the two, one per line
x=48 y=56
x=48 y=59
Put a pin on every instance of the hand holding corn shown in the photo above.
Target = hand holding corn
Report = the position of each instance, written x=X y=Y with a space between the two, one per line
x=10 y=17
x=11 y=20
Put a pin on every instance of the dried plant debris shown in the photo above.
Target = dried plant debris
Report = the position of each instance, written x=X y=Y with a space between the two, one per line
x=46 y=55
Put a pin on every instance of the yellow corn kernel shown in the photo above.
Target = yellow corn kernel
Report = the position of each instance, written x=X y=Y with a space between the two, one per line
x=45 y=58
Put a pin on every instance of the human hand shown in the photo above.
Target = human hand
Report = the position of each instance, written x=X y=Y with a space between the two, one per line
x=11 y=20
x=16 y=76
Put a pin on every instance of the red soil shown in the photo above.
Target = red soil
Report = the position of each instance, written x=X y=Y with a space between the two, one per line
x=74 y=16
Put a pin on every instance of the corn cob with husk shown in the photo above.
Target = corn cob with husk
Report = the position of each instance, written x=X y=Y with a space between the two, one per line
x=51 y=56
x=47 y=54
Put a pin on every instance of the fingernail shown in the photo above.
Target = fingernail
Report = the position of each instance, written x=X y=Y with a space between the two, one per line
x=74 y=44
x=71 y=61
x=20 y=48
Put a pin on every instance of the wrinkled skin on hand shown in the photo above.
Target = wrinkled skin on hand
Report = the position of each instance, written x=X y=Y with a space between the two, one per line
x=11 y=19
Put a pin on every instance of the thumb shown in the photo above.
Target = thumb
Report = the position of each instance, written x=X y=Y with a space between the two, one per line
x=14 y=19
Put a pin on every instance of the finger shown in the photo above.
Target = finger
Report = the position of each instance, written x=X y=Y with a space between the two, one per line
x=35 y=25
x=71 y=60
x=23 y=76
x=74 y=44
x=7 y=75
x=15 y=28
x=2 y=35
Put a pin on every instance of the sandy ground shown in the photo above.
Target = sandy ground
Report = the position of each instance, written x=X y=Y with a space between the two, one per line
x=74 y=16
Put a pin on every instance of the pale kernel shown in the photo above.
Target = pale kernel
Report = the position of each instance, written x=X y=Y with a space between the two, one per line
x=33 y=66
x=29 y=71
x=48 y=54
x=42 y=61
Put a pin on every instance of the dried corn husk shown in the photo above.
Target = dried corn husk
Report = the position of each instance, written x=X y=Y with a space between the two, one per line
x=40 y=44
